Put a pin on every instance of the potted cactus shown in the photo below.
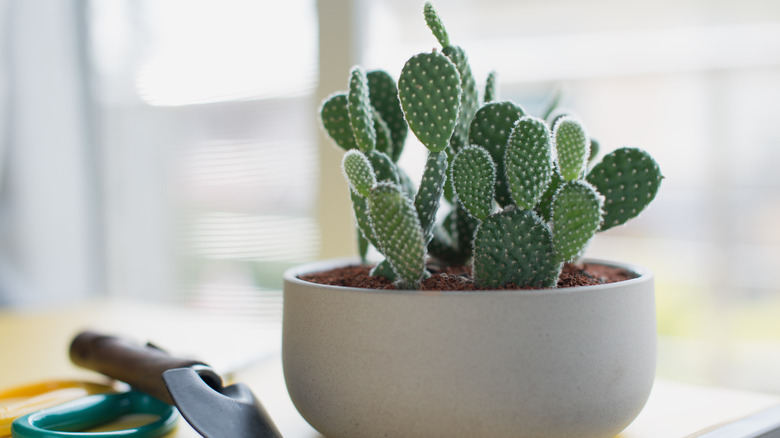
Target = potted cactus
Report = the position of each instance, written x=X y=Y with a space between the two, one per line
x=526 y=198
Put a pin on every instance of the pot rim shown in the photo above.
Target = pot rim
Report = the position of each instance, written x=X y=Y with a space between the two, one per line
x=291 y=276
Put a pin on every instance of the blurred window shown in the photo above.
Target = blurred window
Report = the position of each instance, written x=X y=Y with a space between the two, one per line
x=208 y=145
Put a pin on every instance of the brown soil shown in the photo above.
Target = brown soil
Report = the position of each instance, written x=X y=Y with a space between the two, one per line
x=459 y=278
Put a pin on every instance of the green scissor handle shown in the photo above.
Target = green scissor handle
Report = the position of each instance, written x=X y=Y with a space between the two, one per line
x=69 y=419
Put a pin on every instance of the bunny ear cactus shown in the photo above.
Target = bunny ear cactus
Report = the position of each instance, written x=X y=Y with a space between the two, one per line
x=334 y=115
x=429 y=90
x=360 y=111
x=523 y=200
x=572 y=146
x=391 y=219
x=576 y=216
x=474 y=175
x=398 y=233
x=554 y=211
x=528 y=161
x=428 y=197
x=359 y=172
x=435 y=24
x=469 y=98
x=490 y=128
x=383 y=93
x=515 y=245
x=526 y=259
x=429 y=98
x=491 y=88
x=629 y=179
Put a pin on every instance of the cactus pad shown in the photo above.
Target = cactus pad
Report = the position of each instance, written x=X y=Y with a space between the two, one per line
x=469 y=98
x=431 y=188
x=455 y=235
x=435 y=24
x=514 y=246
x=384 y=143
x=442 y=246
x=474 y=176
x=384 y=168
x=491 y=87
x=360 y=111
x=490 y=128
x=465 y=225
x=594 y=150
x=335 y=119
x=383 y=93
x=383 y=269
x=544 y=206
x=363 y=245
x=576 y=213
x=407 y=185
x=573 y=148
x=360 y=209
x=398 y=232
x=629 y=179
x=429 y=90
x=359 y=172
x=528 y=161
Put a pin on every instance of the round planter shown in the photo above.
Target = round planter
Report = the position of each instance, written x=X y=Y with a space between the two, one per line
x=569 y=362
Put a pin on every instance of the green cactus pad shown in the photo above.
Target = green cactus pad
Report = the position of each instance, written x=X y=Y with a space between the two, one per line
x=384 y=143
x=431 y=188
x=359 y=172
x=383 y=92
x=449 y=192
x=360 y=209
x=572 y=145
x=407 y=185
x=445 y=246
x=441 y=245
x=629 y=179
x=383 y=269
x=474 y=178
x=544 y=206
x=459 y=227
x=576 y=218
x=555 y=117
x=469 y=98
x=363 y=245
x=491 y=87
x=360 y=111
x=594 y=150
x=429 y=89
x=435 y=25
x=514 y=246
x=528 y=161
x=384 y=168
x=398 y=232
x=490 y=128
x=334 y=116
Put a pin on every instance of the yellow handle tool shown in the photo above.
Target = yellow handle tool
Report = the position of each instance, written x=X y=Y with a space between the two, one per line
x=25 y=399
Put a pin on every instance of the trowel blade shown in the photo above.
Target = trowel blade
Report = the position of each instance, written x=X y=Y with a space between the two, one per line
x=221 y=412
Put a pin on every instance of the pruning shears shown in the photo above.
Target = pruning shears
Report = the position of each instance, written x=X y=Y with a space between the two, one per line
x=69 y=408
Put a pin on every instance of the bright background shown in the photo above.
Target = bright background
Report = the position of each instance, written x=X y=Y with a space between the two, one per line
x=169 y=150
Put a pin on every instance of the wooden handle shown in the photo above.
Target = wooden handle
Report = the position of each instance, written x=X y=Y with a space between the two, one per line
x=141 y=366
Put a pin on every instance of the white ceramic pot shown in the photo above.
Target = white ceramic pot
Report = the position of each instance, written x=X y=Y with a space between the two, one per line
x=569 y=362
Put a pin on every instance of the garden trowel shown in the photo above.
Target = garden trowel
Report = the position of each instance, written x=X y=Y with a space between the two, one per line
x=214 y=410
